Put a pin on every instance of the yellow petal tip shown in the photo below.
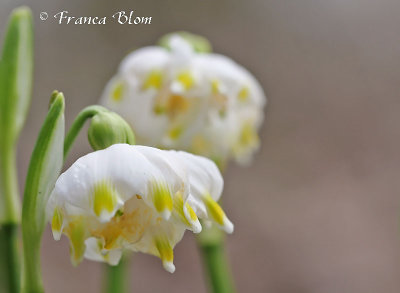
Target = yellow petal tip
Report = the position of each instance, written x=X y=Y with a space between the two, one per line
x=56 y=234
x=117 y=92
x=196 y=227
x=57 y=223
x=162 y=199
x=217 y=214
x=186 y=80
x=166 y=254
x=153 y=80
x=191 y=217
x=105 y=201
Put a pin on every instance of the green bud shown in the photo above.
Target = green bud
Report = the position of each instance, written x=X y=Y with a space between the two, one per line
x=108 y=128
x=200 y=44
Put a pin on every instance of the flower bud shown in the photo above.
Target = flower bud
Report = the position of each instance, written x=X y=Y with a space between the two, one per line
x=108 y=128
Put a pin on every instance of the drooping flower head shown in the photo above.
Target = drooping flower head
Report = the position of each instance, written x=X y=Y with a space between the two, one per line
x=179 y=98
x=137 y=198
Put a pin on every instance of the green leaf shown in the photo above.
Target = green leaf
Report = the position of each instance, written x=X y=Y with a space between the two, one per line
x=16 y=69
x=44 y=168
x=16 y=66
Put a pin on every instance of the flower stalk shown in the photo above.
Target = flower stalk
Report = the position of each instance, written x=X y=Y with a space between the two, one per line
x=106 y=128
x=211 y=243
x=116 y=281
x=9 y=258
x=9 y=252
x=77 y=125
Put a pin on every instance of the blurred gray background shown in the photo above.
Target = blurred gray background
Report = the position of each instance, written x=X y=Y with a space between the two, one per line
x=318 y=211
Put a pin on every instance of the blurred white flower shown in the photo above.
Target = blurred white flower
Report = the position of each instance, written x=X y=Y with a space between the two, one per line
x=137 y=198
x=177 y=98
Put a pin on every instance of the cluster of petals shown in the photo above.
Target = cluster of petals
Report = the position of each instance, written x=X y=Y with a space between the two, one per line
x=177 y=98
x=134 y=198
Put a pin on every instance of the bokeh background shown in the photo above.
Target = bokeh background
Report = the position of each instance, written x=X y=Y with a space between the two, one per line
x=318 y=210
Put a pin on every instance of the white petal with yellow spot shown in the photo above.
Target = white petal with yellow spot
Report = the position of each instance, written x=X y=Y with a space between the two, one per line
x=134 y=197
x=176 y=98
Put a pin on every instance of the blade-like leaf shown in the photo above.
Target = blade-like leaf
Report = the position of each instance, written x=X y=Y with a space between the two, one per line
x=16 y=68
x=44 y=168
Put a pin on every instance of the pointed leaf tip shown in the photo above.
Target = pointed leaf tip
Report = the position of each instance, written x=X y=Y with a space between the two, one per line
x=44 y=168
x=56 y=97
x=16 y=69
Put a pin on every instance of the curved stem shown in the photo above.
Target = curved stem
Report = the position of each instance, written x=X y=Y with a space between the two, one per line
x=211 y=244
x=77 y=125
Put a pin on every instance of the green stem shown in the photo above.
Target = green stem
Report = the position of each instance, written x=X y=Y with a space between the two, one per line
x=32 y=278
x=9 y=186
x=77 y=125
x=211 y=243
x=9 y=260
x=10 y=222
x=115 y=280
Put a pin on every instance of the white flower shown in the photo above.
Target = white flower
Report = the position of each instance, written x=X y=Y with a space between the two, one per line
x=180 y=99
x=137 y=198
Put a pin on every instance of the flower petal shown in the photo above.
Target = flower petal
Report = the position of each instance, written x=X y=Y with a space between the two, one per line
x=134 y=197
